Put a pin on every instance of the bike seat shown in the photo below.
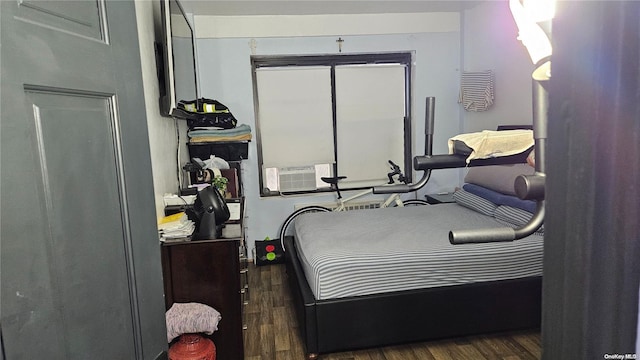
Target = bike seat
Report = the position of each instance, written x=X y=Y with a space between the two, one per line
x=332 y=180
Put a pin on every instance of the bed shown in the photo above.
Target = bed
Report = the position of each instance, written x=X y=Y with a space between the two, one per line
x=370 y=278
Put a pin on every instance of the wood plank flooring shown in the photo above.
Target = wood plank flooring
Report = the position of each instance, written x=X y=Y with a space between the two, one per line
x=272 y=332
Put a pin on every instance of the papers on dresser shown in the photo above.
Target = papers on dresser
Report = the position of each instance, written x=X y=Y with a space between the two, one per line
x=176 y=227
x=173 y=199
x=234 y=210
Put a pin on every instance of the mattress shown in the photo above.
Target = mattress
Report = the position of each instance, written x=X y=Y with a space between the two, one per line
x=365 y=252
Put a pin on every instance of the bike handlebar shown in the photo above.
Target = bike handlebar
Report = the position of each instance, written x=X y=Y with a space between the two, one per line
x=403 y=188
x=395 y=171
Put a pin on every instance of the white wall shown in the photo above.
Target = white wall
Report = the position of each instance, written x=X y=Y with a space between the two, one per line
x=162 y=132
x=484 y=38
x=490 y=44
x=225 y=75
x=287 y=26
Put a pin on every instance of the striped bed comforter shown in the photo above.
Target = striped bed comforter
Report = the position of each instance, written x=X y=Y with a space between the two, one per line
x=367 y=252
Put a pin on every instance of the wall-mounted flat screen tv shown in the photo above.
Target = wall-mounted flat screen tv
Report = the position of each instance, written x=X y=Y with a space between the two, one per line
x=176 y=60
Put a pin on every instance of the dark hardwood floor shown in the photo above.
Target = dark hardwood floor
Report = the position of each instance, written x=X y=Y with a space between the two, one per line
x=272 y=332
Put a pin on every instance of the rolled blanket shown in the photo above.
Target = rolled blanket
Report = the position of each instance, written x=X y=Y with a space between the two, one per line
x=489 y=144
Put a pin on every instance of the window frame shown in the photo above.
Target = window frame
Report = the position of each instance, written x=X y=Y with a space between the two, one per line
x=333 y=60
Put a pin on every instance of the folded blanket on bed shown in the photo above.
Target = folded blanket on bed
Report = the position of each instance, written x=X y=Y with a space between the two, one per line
x=489 y=143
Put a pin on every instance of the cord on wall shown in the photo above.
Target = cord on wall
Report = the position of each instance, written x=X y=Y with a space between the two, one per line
x=179 y=172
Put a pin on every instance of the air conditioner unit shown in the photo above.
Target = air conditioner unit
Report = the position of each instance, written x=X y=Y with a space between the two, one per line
x=297 y=178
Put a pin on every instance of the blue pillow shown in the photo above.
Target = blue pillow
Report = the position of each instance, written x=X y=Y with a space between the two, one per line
x=500 y=199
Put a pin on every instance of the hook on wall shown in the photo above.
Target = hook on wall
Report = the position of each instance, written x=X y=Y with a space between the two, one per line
x=340 y=41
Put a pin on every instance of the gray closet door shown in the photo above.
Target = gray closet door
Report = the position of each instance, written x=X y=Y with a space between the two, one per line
x=80 y=263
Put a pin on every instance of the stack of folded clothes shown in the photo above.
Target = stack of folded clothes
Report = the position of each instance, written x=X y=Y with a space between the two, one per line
x=490 y=191
x=212 y=134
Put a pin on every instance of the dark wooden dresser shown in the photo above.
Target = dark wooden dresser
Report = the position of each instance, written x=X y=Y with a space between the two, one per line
x=214 y=272
x=209 y=272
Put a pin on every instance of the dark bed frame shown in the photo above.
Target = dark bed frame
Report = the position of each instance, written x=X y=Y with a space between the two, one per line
x=409 y=316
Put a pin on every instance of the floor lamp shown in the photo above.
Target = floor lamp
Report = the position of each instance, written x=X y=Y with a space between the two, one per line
x=533 y=18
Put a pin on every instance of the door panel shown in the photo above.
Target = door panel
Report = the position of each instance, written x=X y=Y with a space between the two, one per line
x=80 y=258
x=84 y=18
x=90 y=262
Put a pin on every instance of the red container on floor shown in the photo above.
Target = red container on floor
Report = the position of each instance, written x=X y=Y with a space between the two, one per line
x=192 y=347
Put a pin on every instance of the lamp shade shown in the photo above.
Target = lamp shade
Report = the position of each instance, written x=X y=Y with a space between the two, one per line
x=540 y=10
x=531 y=34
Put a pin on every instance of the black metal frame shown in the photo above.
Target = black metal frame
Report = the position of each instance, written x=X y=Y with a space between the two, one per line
x=333 y=60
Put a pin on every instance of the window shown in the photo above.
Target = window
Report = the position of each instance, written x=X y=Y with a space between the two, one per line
x=333 y=114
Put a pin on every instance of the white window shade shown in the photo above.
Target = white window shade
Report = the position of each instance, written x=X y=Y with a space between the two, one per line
x=370 y=112
x=295 y=115
x=319 y=110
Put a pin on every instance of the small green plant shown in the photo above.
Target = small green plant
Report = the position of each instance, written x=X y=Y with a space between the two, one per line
x=220 y=182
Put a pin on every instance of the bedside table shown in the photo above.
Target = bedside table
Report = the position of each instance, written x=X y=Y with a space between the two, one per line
x=440 y=198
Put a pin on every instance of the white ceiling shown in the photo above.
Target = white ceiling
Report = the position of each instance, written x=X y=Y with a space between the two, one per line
x=312 y=7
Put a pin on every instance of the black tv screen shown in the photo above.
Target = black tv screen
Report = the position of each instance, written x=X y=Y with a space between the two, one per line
x=178 y=78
